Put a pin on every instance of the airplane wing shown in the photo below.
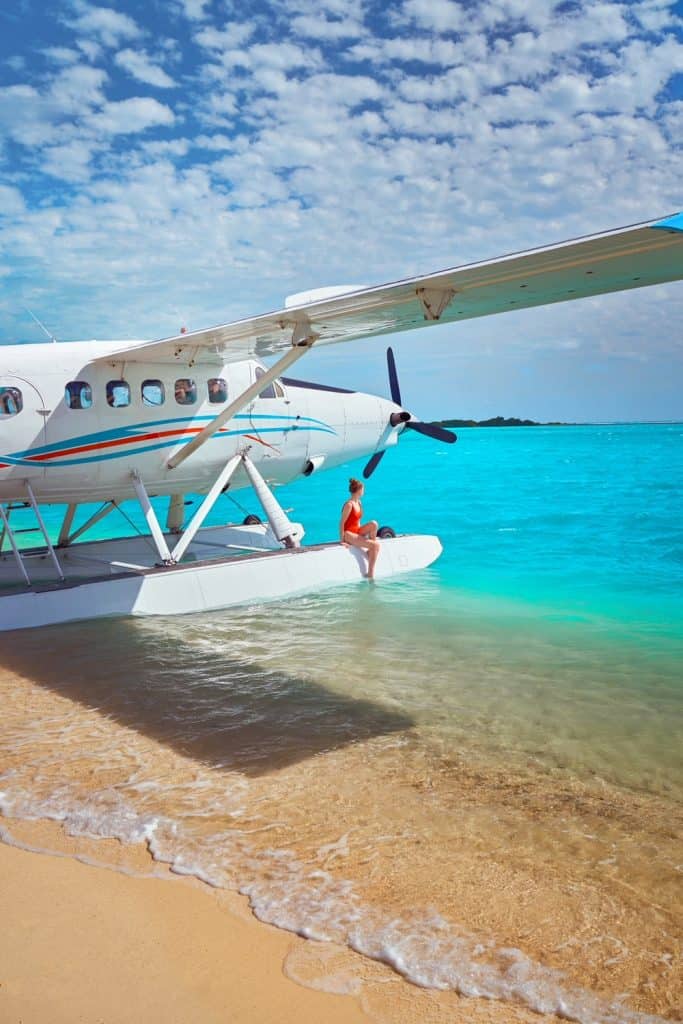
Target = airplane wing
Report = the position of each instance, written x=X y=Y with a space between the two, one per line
x=630 y=257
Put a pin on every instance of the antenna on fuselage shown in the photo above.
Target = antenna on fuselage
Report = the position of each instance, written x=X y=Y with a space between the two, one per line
x=41 y=325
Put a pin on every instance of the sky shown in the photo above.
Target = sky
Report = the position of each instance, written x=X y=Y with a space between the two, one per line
x=190 y=162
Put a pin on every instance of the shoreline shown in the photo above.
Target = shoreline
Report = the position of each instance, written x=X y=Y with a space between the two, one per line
x=77 y=934
x=93 y=931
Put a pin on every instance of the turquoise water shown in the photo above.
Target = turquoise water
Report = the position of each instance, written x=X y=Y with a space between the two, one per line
x=582 y=520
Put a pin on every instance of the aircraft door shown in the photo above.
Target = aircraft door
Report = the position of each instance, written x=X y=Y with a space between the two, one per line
x=273 y=424
x=23 y=428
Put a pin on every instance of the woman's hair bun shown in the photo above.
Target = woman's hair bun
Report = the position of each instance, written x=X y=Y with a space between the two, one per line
x=354 y=485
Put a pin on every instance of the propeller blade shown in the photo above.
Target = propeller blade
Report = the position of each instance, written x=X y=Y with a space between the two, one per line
x=393 y=378
x=433 y=430
x=372 y=464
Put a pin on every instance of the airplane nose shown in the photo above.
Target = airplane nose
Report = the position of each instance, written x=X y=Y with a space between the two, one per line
x=399 y=417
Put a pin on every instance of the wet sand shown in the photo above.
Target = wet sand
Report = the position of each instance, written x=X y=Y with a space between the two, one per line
x=82 y=942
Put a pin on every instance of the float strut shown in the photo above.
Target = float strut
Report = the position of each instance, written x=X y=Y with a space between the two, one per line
x=63 y=539
x=94 y=518
x=175 y=517
x=151 y=517
x=276 y=515
x=205 y=507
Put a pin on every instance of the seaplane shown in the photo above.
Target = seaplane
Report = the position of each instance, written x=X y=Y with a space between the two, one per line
x=213 y=410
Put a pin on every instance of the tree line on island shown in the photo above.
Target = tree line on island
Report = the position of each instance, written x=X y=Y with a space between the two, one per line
x=498 y=421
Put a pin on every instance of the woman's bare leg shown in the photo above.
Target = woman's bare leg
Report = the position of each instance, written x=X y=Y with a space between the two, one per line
x=367 y=544
x=373 y=554
x=369 y=529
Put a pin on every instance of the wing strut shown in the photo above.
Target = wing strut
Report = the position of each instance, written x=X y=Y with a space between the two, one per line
x=302 y=340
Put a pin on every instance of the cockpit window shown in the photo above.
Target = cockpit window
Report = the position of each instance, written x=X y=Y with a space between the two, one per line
x=118 y=393
x=78 y=394
x=11 y=401
x=272 y=390
x=218 y=390
x=185 y=391
x=152 y=392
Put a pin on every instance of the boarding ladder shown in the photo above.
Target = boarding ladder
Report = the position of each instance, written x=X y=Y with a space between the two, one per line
x=7 y=531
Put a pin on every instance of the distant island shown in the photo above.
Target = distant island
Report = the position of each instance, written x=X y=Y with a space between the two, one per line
x=500 y=421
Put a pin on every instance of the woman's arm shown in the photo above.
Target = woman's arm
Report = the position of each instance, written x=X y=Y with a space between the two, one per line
x=344 y=516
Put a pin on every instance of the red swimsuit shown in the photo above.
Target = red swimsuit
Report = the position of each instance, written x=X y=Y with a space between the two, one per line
x=352 y=524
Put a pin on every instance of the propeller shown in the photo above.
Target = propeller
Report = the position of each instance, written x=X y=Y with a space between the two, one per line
x=428 y=429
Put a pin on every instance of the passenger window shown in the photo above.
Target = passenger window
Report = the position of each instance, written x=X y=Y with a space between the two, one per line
x=153 y=392
x=269 y=390
x=218 y=390
x=185 y=391
x=78 y=394
x=118 y=393
x=11 y=401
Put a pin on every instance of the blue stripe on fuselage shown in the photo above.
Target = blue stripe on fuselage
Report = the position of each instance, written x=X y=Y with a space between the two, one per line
x=297 y=422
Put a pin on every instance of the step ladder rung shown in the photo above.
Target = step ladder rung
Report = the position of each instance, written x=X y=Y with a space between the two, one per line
x=7 y=531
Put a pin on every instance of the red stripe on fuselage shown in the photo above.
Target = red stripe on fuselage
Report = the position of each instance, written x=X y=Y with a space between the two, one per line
x=113 y=443
x=264 y=443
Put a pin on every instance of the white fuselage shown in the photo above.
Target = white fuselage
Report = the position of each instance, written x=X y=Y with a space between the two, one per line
x=76 y=451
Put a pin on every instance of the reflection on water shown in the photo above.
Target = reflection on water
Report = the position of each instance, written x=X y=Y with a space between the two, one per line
x=484 y=798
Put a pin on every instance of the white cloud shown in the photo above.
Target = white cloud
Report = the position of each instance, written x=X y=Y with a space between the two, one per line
x=127 y=117
x=194 y=10
x=105 y=25
x=70 y=162
x=89 y=49
x=77 y=88
x=227 y=38
x=329 y=9
x=35 y=118
x=16 y=63
x=21 y=116
x=217 y=142
x=656 y=15
x=138 y=64
x=62 y=55
x=11 y=201
x=281 y=56
x=424 y=50
x=438 y=15
x=167 y=147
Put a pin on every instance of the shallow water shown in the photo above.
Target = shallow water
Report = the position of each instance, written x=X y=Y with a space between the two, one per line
x=474 y=773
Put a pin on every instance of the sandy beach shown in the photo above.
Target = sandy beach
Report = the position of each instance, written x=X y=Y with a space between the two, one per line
x=85 y=942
